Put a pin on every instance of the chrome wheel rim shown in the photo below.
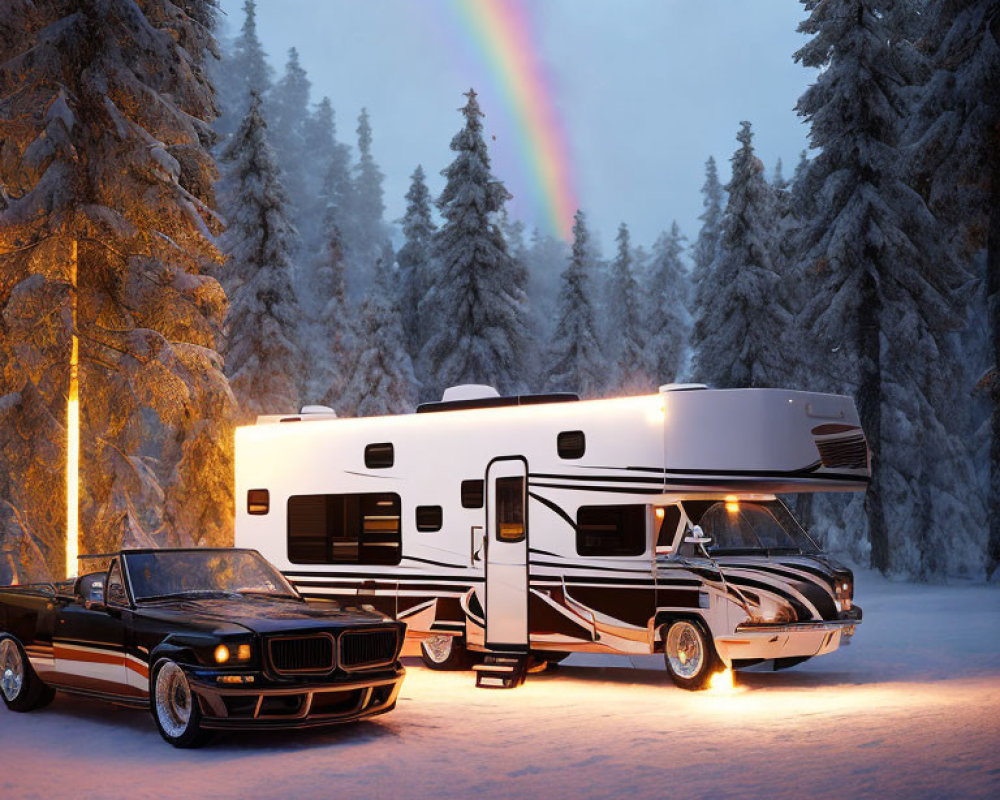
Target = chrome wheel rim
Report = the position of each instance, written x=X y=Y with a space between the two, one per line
x=11 y=669
x=438 y=648
x=685 y=651
x=173 y=700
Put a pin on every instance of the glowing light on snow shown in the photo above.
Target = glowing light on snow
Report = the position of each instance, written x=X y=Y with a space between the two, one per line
x=722 y=682
x=73 y=442
x=504 y=39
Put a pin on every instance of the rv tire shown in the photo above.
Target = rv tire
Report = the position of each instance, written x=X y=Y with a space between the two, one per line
x=444 y=653
x=689 y=653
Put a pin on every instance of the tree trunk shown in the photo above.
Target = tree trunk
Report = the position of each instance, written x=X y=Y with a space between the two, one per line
x=993 y=304
x=870 y=411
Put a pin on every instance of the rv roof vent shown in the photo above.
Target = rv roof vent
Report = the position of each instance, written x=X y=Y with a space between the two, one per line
x=468 y=391
x=326 y=411
x=682 y=387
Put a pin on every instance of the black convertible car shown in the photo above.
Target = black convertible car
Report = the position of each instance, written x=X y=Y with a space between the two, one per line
x=207 y=639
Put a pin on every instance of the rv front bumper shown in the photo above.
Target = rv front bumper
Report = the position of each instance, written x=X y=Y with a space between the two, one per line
x=760 y=640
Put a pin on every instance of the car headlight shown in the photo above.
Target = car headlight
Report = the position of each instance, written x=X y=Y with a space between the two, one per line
x=844 y=589
x=233 y=653
x=772 y=611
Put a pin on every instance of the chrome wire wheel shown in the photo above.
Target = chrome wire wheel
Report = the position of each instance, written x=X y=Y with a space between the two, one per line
x=173 y=700
x=438 y=648
x=11 y=669
x=685 y=650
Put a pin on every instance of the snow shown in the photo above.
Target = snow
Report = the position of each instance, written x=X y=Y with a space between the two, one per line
x=910 y=710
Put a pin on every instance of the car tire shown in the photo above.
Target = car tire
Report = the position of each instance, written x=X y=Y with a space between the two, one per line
x=689 y=654
x=444 y=653
x=21 y=688
x=175 y=707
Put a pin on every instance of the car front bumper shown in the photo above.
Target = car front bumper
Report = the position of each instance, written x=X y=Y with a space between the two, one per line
x=271 y=707
x=762 y=641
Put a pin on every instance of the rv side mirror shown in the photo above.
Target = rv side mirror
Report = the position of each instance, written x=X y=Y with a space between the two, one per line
x=96 y=595
x=696 y=535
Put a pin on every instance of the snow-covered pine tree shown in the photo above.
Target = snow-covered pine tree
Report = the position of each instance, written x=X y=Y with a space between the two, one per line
x=477 y=316
x=105 y=230
x=625 y=342
x=778 y=178
x=416 y=262
x=739 y=319
x=381 y=380
x=546 y=256
x=885 y=296
x=706 y=246
x=667 y=297
x=263 y=362
x=575 y=361
x=242 y=69
x=288 y=117
x=368 y=234
x=955 y=132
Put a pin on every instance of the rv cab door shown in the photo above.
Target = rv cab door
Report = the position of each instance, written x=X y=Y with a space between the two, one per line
x=507 y=554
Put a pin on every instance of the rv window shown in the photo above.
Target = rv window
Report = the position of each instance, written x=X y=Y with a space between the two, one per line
x=344 y=529
x=611 y=530
x=668 y=526
x=571 y=444
x=379 y=456
x=510 y=509
x=472 y=494
x=428 y=518
x=258 y=501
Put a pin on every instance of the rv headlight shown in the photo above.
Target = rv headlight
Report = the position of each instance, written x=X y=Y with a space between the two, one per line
x=772 y=611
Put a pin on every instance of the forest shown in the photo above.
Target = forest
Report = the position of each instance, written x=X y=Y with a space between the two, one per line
x=189 y=239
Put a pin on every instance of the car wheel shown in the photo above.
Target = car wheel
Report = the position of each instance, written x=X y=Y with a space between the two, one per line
x=175 y=707
x=21 y=688
x=690 y=654
x=444 y=653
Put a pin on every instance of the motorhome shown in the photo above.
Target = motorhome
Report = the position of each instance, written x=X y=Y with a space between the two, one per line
x=506 y=529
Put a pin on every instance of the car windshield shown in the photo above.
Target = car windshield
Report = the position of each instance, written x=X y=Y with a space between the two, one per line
x=172 y=573
x=766 y=527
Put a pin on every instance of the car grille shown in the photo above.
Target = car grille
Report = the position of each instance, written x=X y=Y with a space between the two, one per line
x=301 y=655
x=365 y=649
x=846 y=452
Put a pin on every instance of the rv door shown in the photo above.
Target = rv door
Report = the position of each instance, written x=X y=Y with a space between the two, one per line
x=507 y=554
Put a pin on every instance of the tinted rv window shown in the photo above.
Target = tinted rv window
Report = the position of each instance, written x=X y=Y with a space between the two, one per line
x=571 y=444
x=379 y=456
x=510 y=509
x=428 y=518
x=668 y=525
x=344 y=529
x=258 y=501
x=611 y=530
x=472 y=494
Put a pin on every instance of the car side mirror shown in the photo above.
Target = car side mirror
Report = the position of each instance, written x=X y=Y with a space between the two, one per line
x=96 y=595
x=697 y=536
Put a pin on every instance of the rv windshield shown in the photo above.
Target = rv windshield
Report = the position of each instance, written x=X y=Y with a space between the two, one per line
x=741 y=528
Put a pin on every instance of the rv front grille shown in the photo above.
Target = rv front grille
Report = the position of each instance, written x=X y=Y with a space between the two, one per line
x=301 y=655
x=368 y=649
x=845 y=452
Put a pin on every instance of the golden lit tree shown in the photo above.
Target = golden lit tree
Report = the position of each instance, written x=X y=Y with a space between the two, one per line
x=105 y=232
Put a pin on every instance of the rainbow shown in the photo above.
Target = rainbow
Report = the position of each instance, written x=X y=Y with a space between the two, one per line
x=502 y=34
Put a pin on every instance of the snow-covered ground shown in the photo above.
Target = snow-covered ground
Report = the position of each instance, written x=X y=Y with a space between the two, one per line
x=910 y=710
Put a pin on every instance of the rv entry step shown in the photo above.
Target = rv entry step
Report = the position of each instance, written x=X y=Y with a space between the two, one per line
x=501 y=671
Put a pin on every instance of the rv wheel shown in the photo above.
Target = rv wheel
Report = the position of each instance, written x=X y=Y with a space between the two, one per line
x=690 y=654
x=444 y=653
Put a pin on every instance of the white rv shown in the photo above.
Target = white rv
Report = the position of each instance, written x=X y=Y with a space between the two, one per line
x=540 y=525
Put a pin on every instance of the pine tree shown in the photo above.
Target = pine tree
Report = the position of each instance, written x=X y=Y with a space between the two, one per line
x=739 y=320
x=416 y=262
x=263 y=362
x=667 y=300
x=575 y=361
x=477 y=315
x=243 y=69
x=105 y=231
x=625 y=342
x=706 y=246
x=885 y=285
x=288 y=110
x=381 y=381
x=368 y=234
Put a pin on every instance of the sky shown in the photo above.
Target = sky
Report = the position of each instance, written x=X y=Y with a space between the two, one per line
x=636 y=94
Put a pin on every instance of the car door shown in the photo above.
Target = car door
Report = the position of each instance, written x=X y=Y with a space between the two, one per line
x=90 y=638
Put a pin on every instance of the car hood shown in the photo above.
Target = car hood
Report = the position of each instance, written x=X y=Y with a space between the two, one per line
x=260 y=615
